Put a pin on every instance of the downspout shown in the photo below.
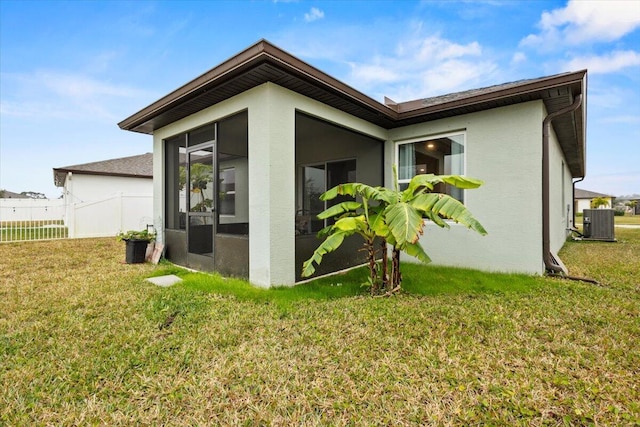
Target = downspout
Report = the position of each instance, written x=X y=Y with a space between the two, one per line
x=549 y=262
x=573 y=200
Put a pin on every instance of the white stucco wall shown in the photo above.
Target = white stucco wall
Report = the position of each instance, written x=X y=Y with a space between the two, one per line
x=560 y=195
x=84 y=188
x=103 y=205
x=504 y=149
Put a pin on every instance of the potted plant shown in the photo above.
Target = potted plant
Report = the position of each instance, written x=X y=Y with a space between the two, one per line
x=136 y=244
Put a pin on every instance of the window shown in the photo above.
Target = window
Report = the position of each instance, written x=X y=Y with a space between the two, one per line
x=227 y=191
x=176 y=175
x=233 y=175
x=228 y=198
x=316 y=180
x=439 y=155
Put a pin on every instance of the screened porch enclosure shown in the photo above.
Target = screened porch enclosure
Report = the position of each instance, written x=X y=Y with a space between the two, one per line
x=328 y=155
x=207 y=197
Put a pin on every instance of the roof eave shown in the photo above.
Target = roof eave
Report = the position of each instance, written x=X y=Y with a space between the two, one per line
x=406 y=110
x=260 y=52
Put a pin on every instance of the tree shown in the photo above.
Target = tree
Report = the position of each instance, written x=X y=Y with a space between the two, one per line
x=2 y=193
x=201 y=177
x=394 y=217
x=597 y=202
x=632 y=204
x=33 y=195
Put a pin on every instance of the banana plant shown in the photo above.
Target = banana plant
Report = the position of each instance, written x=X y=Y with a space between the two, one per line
x=396 y=217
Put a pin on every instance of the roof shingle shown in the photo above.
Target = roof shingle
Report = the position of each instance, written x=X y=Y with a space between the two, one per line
x=140 y=166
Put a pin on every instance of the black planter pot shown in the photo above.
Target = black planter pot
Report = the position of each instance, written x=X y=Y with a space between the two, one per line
x=136 y=251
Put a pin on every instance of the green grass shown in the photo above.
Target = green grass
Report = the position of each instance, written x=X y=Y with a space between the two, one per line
x=85 y=341
x=11 y=231
x=628 y=219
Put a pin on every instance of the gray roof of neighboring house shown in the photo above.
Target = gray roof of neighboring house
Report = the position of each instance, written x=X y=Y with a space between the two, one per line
x=263 y=62
x=140 y=166
x=11 y=195
x=586 y=194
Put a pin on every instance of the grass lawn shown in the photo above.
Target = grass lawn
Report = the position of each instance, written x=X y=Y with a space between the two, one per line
x=627 y=219
x=11 y=231
x=85 y=341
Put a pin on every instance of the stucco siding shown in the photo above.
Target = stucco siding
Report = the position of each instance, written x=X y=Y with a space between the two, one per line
x=103 y=205
x=560 y=193
x=84 y=188
x=503 y=148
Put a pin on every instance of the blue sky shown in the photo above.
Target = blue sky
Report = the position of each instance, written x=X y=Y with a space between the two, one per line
x=70 y=71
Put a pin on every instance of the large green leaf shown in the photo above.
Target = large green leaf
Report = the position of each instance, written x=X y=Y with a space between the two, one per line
x=353 y=224
x=426 y=182
x=356 y=189
x=377 y=224
x=416 y=250
x=330 y=244
x=339 y=209
x=447 y=207
x=404 y=222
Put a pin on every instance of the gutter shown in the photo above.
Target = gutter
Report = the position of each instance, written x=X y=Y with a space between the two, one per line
x=550 y=262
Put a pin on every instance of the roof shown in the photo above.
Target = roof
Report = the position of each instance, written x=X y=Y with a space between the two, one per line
x=586 y=194
x=263 y=62
x=140 y=166
x=11 y=195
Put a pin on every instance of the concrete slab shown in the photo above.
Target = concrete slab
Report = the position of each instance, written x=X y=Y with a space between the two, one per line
x=164 y=281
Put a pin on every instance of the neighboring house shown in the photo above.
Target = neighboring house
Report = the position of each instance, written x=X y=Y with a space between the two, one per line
x=276 y=132
x=6 y=194
x=582 y=199
x=106 y=197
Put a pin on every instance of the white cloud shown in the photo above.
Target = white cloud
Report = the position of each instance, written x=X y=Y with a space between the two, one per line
x=585 y=21
x=52 y=94
x=609 y=63
x=628 y=119
x=313 y=15
x=518 y=58
x=373 y=73
x=421 y=67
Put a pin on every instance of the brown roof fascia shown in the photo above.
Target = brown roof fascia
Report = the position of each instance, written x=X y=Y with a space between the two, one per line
x=261 y=51
x=178 y=95
x=59 y=175
x=89 y=172
x=311 y=73
x=411 y=108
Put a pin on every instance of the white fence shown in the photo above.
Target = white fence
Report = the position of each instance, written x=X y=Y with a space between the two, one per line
x=40 y=219
x=32 y=219
x=31 y=210
x=107 y=217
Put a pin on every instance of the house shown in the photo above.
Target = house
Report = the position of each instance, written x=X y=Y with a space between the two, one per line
x=256 y=139
x=6 y=194
x=583 y=198
x=105 y=197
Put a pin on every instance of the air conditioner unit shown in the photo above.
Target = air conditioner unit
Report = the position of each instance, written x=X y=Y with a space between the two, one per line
x=598 y=224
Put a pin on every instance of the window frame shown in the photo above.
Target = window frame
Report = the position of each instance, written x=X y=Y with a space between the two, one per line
x=301 y=179
x=424 y=139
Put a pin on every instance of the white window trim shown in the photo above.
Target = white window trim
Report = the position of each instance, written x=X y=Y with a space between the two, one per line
x=423 y=138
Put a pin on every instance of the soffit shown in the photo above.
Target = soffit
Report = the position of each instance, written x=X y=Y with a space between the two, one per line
x=264 y=62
